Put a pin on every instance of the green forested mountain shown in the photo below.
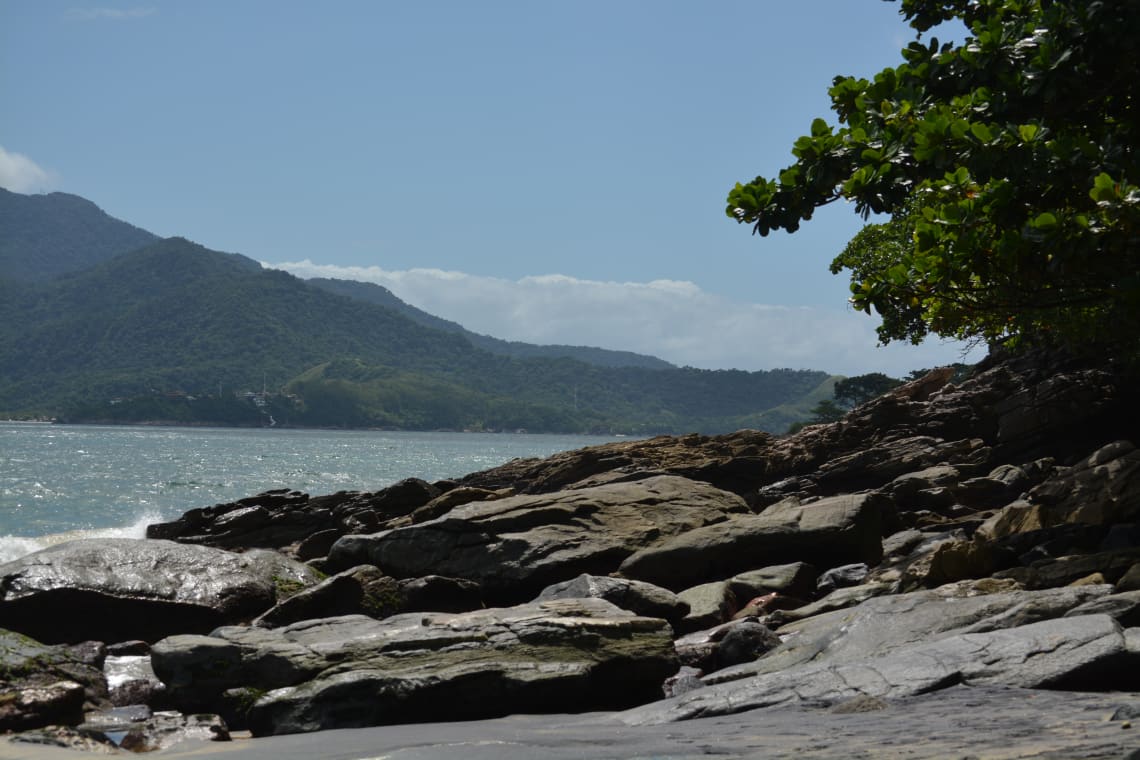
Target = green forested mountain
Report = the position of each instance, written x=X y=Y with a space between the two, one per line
x=377 y=294
x=46 y=235
x=175 y=332
x=174 y=315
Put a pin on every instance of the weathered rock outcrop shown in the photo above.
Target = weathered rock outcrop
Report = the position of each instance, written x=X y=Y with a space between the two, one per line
x=42 y=685
x=637 y=597
x=1066 y=652
x=557 y=656
x=120 y=589
x=941 y=538
x=835 y=530
x=516 y=546
x=886 y=623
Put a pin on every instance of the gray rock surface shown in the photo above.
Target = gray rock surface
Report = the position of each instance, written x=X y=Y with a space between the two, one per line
x=638 y=597
x=957 y=722
x=795 y=579
x=826 y=532
x=516 y=546
x=114 y=589
x=552 y=656
x=884 y=624
x=709 y=604
x=1052 y=653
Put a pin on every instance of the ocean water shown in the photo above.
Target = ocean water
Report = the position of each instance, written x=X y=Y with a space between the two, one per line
x=67 y=481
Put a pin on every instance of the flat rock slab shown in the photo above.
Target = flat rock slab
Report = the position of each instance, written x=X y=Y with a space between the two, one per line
x=883 y=624
x=1088 y=651
x=117 y=589
x=957 y=722
x=550 y=656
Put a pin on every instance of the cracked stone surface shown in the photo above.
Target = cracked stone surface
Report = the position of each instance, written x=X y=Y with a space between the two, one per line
x=1046 y=654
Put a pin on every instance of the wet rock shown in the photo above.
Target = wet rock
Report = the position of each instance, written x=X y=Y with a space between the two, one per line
x=31 y=705
x=360 y=590
x=63 y=737
x=131 y=680
x=42 y=684
x=117 y=589
x=136 y=729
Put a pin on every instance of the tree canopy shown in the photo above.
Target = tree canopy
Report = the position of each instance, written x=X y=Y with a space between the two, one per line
x=853 y=391
x=1009 y=167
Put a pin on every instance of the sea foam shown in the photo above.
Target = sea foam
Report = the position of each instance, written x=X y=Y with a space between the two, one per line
x=14 y=547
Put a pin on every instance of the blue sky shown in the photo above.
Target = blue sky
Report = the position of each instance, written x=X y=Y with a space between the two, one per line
x=541 y=171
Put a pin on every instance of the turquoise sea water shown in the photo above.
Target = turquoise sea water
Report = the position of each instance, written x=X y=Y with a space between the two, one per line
x=59 y=481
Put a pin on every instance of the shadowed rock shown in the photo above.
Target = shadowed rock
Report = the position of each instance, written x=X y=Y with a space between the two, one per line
x=116 y=589
x=558 y=655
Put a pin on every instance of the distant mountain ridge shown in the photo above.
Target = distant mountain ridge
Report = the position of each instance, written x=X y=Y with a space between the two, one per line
x=172 y=331
x=44 y=236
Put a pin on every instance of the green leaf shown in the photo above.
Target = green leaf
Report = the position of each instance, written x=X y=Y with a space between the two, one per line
x=819 y=128
x=1044 y=220
x=982 y=132
x=1104 y=188
x=1027 y=132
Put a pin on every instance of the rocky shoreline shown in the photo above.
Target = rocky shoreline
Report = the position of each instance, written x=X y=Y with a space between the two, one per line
x=970 y=544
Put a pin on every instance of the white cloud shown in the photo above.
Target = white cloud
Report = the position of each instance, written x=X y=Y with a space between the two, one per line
x=114 y=14
x=21 y=174
x=674 y=320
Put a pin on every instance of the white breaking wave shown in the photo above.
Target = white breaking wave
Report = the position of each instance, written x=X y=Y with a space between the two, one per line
x=14 y=547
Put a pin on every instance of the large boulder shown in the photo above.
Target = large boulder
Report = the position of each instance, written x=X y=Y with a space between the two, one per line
x=116 y=589
x=559 y=655
x=516 y=546
x=837 y=529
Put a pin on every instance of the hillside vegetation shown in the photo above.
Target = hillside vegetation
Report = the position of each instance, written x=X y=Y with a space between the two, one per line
x=175 y=332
